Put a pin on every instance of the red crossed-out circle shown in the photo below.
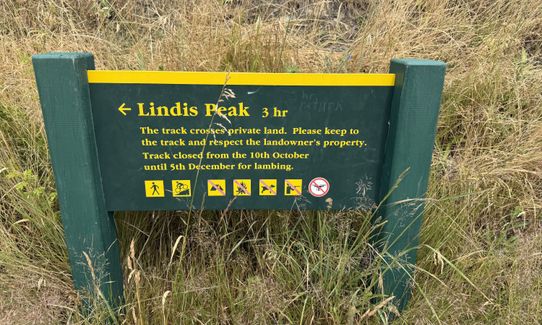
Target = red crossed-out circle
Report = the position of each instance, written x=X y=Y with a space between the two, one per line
x=318 y=187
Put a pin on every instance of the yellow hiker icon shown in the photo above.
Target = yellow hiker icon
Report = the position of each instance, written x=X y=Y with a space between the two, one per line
x=242 y=187
x=268 y=187
x=216 y=187
x=154 y=188
x=181 y=188
x=293 y=187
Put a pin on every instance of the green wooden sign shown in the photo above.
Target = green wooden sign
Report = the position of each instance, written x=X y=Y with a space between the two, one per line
x=262 y=141
x=140 y=140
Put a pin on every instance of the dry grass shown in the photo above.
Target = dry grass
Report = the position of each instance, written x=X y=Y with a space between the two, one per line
x=484 y=200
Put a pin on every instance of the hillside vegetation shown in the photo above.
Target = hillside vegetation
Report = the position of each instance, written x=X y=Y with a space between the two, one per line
x=480 y=259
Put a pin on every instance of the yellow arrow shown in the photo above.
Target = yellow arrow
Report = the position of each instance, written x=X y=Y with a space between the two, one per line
x=123 y=109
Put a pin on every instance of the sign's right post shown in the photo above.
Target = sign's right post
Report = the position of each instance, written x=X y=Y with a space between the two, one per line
x=404 y=177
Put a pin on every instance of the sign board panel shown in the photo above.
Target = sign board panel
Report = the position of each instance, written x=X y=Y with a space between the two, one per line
x=175 y=141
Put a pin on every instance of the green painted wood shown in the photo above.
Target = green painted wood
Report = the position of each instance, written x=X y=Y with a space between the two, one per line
x=88 y=227
x=407 y=161
x=118 y=138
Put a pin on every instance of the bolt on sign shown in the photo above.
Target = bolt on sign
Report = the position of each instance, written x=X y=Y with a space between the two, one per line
x=143 y=140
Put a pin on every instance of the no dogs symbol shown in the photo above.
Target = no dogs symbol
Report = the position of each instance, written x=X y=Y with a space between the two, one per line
x=318 y=187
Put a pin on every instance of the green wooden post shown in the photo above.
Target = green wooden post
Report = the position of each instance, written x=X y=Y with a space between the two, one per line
x=89 y=229
x=409 y=146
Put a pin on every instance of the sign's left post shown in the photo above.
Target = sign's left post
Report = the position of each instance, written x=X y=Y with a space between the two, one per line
x=89 y=229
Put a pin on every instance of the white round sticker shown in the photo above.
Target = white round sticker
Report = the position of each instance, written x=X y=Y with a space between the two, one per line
x=318 y=187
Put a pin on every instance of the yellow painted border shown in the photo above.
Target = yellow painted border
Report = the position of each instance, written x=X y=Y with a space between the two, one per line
x=240 y=78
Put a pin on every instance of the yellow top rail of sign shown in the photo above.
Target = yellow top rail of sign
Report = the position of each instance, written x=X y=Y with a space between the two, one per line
x=239 y=78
